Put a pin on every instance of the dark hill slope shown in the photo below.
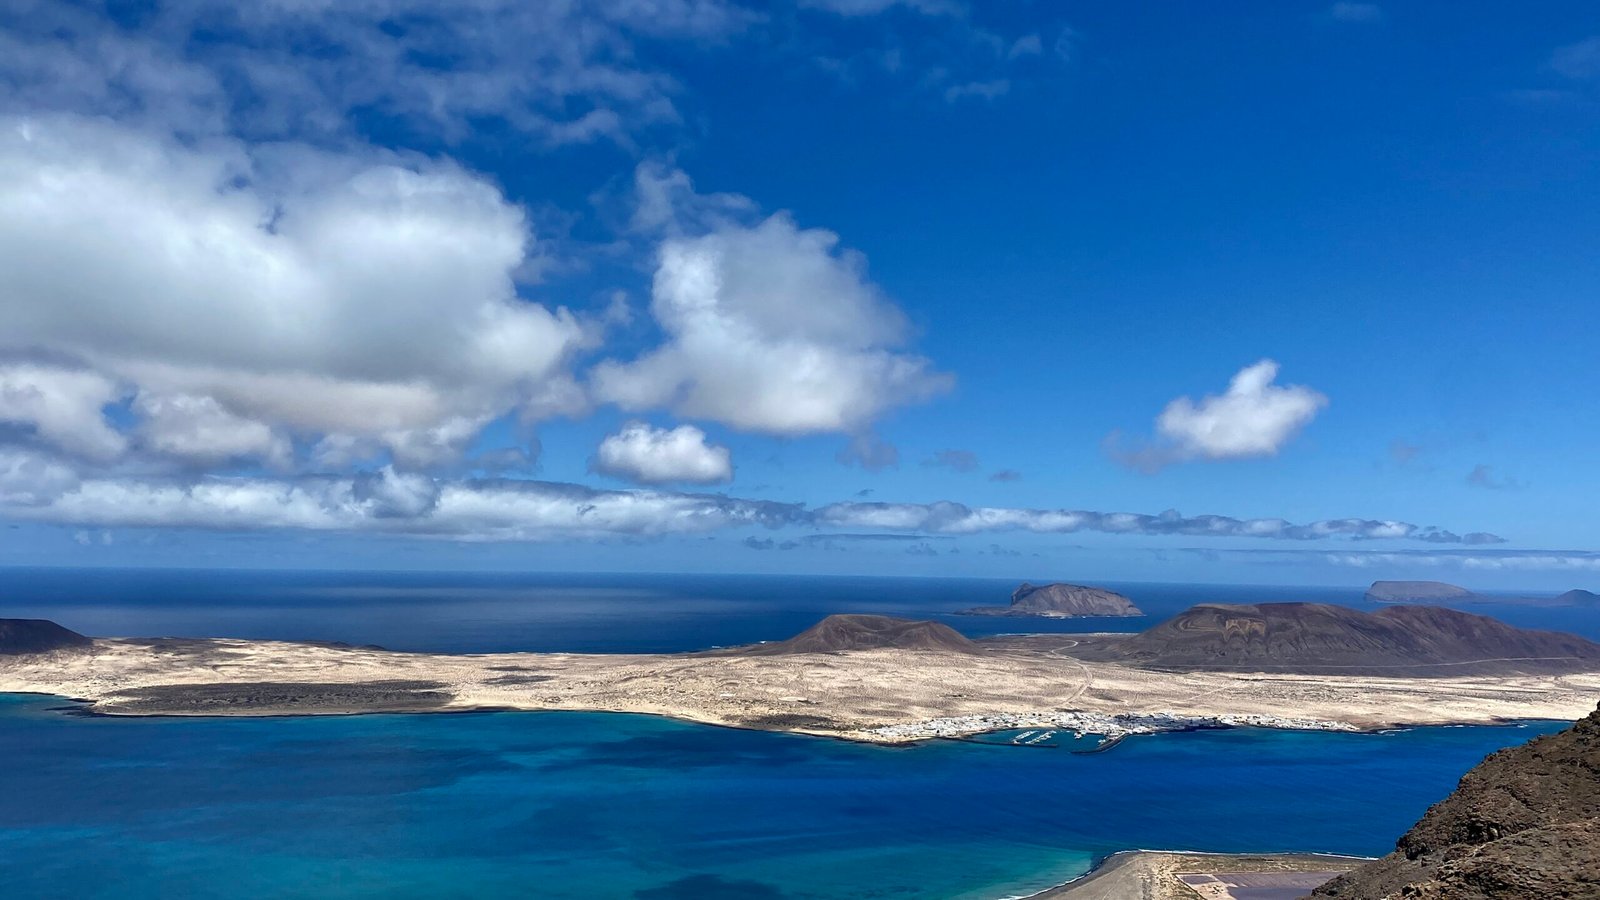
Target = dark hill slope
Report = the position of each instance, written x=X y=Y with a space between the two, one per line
x=854 y=632
x=1578 y=597
x=20 y=636
x=1522 y=825
x=1322 y=639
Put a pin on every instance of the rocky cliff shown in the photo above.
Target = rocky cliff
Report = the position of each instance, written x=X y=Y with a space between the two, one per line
x=1523 y=825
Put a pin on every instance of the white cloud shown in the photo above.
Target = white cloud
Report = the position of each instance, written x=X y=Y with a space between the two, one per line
x=31 y=479
x=275 y=289
x=38 y=488
x=982 y=90
x=658 y=456
x=388 y=494
x=874 y=7
x=61 y=407
x=869 y=452
x=959 y=460
x=562 y=71
x=396 y=503
x=1580 y=60
x=1254 y=417
x=665 y=202
x=1483 y=476
x=770 y=328
x=1400 y=561
x=946 y=517
x=200 y=431
x=1027 y=45
x=1356 y=13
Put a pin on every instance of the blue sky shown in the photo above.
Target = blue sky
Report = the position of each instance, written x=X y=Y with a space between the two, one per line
x=833 y=286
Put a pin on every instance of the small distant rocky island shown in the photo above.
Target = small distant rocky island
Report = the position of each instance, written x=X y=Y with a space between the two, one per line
x=1438 y=592
x=1060 y=601
x=1418 y=592
x=1577 y=597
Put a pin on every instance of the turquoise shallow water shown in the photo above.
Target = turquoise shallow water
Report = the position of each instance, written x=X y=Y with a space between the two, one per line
x=597 y=805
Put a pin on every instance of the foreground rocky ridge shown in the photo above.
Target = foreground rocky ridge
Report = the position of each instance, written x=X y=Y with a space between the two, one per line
x=1522 y=825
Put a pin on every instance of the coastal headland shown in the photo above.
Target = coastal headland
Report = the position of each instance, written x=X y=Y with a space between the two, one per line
x=911 y=681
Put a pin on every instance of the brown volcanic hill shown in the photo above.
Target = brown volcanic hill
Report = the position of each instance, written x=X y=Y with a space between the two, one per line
x=1524 y=824
x=1061 y=600
x=1418 y=592
x=1315 y=638
x=856 y=632
x=20 y=636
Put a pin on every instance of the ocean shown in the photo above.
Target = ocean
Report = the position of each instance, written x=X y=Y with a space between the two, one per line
x=605 y=805
x=601 y=805
x=459 y=612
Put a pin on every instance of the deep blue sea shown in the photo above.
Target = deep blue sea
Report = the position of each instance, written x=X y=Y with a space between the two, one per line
x=601 y=805
x=591 y=613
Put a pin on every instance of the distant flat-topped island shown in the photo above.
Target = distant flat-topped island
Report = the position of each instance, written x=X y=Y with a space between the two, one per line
x=1438 y=592
x=882 y=680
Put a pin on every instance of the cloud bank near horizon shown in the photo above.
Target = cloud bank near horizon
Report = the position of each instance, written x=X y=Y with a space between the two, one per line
x=388 y=500
x=1390 y=561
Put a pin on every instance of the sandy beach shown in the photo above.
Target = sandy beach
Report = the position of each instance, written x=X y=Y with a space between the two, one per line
x=881 y=696
x=1168 y=875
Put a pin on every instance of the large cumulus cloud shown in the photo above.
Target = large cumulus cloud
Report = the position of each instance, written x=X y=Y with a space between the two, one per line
x=283 y=289
x=770 y=328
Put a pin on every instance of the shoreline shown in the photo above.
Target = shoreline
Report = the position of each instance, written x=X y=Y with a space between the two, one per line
x=1108 y=867
x=81 y=707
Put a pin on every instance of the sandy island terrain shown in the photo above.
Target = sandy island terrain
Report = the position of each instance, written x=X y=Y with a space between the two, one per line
x=877 y=695
x=1160 y=875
